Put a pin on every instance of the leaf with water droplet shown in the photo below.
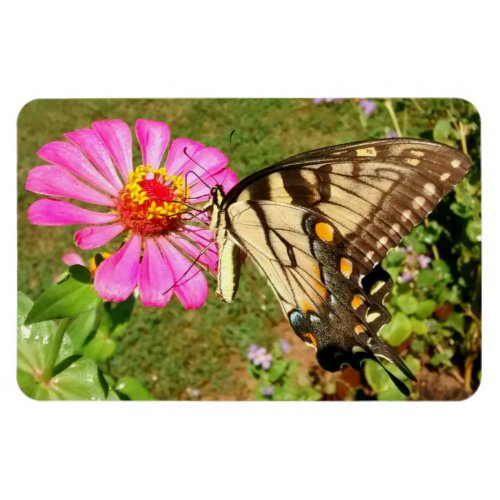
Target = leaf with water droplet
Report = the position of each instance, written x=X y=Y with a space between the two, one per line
x=34 y=343
x=79 y=381
x=76 y=378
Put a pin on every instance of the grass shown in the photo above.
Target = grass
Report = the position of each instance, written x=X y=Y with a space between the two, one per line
x=171 y=349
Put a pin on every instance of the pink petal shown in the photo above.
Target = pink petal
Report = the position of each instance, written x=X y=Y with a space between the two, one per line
x=47 y=212
x=92 y=237
x=226 y=177
x=205 y=249
x=155 y=277
x=88 y=141
x=116 y=276
x=68 y=156
x=211 y=160
x=190 y=284
x=72 y=258
x=177 y=159
x=52 y=180
x=153 y=138
x=230 y=180
x=116 y=136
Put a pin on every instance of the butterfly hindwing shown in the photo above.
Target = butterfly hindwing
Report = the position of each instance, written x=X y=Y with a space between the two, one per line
x=319 y=287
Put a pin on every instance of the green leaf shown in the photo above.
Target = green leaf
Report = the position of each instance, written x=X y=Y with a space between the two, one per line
x=394 y=258
x=398 y=330
x=81 y=327
x=381 y=383
x=80 y=381
x=117 y=316
x=425 y=309
x=72 y=296
x=34 y=344
x=418 y=326
x=473 y=230
x=100 y=348
x=113 y=396
x=407 y=303
x=393 y=273
x=456 y=321
x=427 y=278
x=133 y=389
x=442 y=358
x=277 y=370
x=443 y=132
x=452 y=295
x=413 y=363
x=418 y=346
x=442 y=267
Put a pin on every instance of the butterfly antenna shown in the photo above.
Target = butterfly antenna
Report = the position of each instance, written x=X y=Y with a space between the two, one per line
x=230 y=151
x=230 y=140
x=198 y=177
x=203 y=168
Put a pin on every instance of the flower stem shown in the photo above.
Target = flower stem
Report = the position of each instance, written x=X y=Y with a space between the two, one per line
x=463 y=136
x=54 y=350
x=392 y=113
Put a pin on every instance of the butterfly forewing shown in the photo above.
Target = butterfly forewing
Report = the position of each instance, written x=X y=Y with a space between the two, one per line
x=375 y=192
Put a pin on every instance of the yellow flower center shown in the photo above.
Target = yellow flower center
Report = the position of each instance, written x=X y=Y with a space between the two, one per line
x=152 y=202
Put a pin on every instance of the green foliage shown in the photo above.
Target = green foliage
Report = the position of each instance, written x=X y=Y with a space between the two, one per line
x=72 y=295
x=282 y=380
x=56 y=361
x=380 y=382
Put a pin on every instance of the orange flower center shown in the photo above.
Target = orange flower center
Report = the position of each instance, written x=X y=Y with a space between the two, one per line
x=152 y=202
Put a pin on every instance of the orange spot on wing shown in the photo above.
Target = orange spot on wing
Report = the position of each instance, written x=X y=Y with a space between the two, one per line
x=306 y=305
x=359 y=328
x=357 y=301
x=310 y=336
x=345 y=267
x=324 y=232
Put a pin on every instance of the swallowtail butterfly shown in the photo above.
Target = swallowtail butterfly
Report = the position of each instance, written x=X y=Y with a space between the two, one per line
x=317 y=226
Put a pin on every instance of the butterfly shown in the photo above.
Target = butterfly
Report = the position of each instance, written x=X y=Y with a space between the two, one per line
x=317 y=226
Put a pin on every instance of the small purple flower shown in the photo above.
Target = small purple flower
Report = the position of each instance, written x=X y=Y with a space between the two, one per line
x=368 y=106
x=424 y=261
x=193 y=393
x=252 y=352
x=259 y=356
x=285 y=346
x=319 y=100
x=406 y=277
x=392 y=134
x=267 y=391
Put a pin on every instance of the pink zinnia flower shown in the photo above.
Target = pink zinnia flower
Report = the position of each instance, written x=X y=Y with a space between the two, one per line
x=151 y=205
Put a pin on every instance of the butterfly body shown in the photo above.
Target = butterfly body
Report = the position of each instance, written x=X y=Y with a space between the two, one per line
x=317 y=226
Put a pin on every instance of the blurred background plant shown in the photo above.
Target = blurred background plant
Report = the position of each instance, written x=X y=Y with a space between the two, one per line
x=127 y=352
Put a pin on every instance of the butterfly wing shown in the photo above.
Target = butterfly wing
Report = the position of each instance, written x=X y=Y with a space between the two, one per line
x=322 y=292
x=318 y=224
x=374 y=192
